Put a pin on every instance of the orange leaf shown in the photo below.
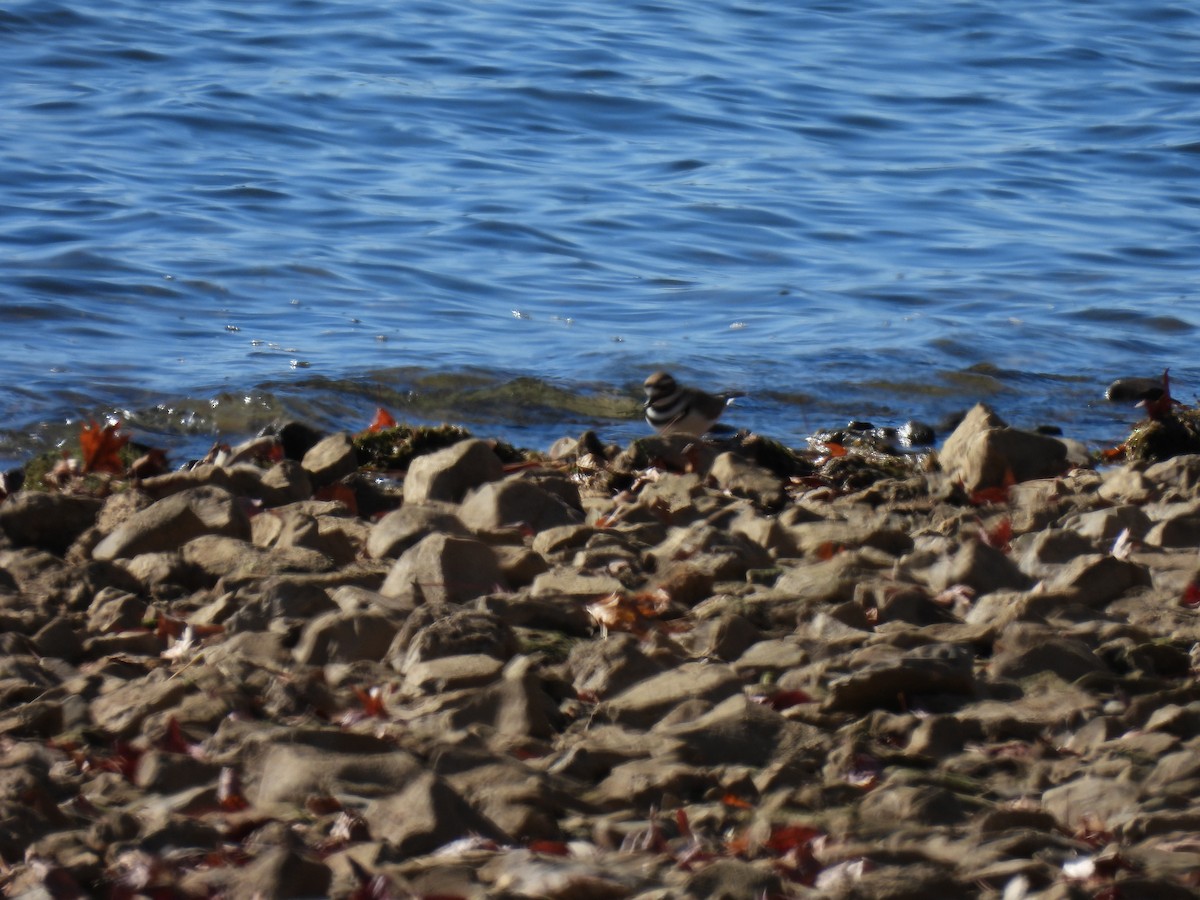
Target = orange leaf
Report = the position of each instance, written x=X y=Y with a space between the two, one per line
x=100 y=447
x=1113 y=454
x=383 y=419
x=828 y=550
x=732 y=799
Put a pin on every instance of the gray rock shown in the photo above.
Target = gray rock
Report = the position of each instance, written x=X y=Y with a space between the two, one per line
x=452 y=673
x=1102 y=526
x=975 y=564
x=1089 y=799
x=442 y=568
x=448 y=474
x=1127 y=484
x=283 y=873
x=170 y=523
x=431 y=636
x=1095 y=580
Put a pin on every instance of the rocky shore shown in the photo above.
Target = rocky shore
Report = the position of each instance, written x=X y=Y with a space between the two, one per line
x=678 y=669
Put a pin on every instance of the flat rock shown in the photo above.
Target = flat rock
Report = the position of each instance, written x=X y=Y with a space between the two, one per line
x=982 y=452
x=330 y=459
x=404 y=527
x=170 y=523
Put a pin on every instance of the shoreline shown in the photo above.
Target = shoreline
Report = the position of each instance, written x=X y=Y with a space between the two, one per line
x=671 y=669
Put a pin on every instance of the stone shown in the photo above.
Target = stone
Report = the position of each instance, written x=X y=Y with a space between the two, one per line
x=448 y=474
x=743 y=478
x=982 y=452
x=1102 y=526
x=895 y=683
x=1089 y=799
x=425 y=815
x=48 y=521
x=979 y=566
x=605 y=668
x=345 y=637
x=283 y=873
x=170 y=523
x=330 y=459
x=645 y=703
x=444 y=569
x=290 y=774
x=404 y=527
x=1095 y=580
x=515 y=502
x=431 y=636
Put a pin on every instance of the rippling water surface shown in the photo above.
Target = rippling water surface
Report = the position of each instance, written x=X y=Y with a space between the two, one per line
x=507 y=214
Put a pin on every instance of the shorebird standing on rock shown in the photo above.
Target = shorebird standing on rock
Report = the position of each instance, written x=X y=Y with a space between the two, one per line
x=672 y=409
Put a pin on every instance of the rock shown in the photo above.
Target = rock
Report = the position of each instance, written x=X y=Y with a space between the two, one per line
x=452 y=673
x=170 y=523
x=292 y=773
x=1096 y=581
x=404 y=527
x=425 y=815
x=982 y=450
x=1089 y=798
x=606 y=668
x=895 y=683
x=648 y=701
x=448 y=474
x=49 y=521
x=513 y=502
x=283 y=873
x=1128 y=485
x=743 y=478
x=330 y=459
x=1024 y=649
x=729 y=879
x=975 y=564
x=458 y=633
x=345 y=637
x=1102 y=526
x=444 y=569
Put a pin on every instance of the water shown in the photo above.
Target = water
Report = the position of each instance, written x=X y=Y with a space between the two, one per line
x=503 y=214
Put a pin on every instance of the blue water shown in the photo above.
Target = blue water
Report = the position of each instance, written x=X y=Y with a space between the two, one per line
x=507 y=214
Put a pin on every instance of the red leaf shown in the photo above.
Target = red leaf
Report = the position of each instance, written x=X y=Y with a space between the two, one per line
x=372 y=702
x=733 y=800
x=100 y=447
x=785 y=838
x=782 y=700
x=999 y=535
x=550 y=848
x=383 y=419
x=828 y=550
x=174 y=741
x=682 y=823
x=342 y=493
x=1191 y=595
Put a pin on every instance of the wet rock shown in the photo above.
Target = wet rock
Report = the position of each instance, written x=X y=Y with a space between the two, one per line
x=330 y=459
x=982 y=450
x=450 y=473
x=441 y=568
x=49 y=521
x=516 y=502
x=170 y=523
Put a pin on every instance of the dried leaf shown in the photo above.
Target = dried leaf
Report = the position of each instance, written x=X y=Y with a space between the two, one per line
x=100 y=447
x=733 y=800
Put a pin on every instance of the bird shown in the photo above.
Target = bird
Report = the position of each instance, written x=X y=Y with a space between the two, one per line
x=673 y=409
